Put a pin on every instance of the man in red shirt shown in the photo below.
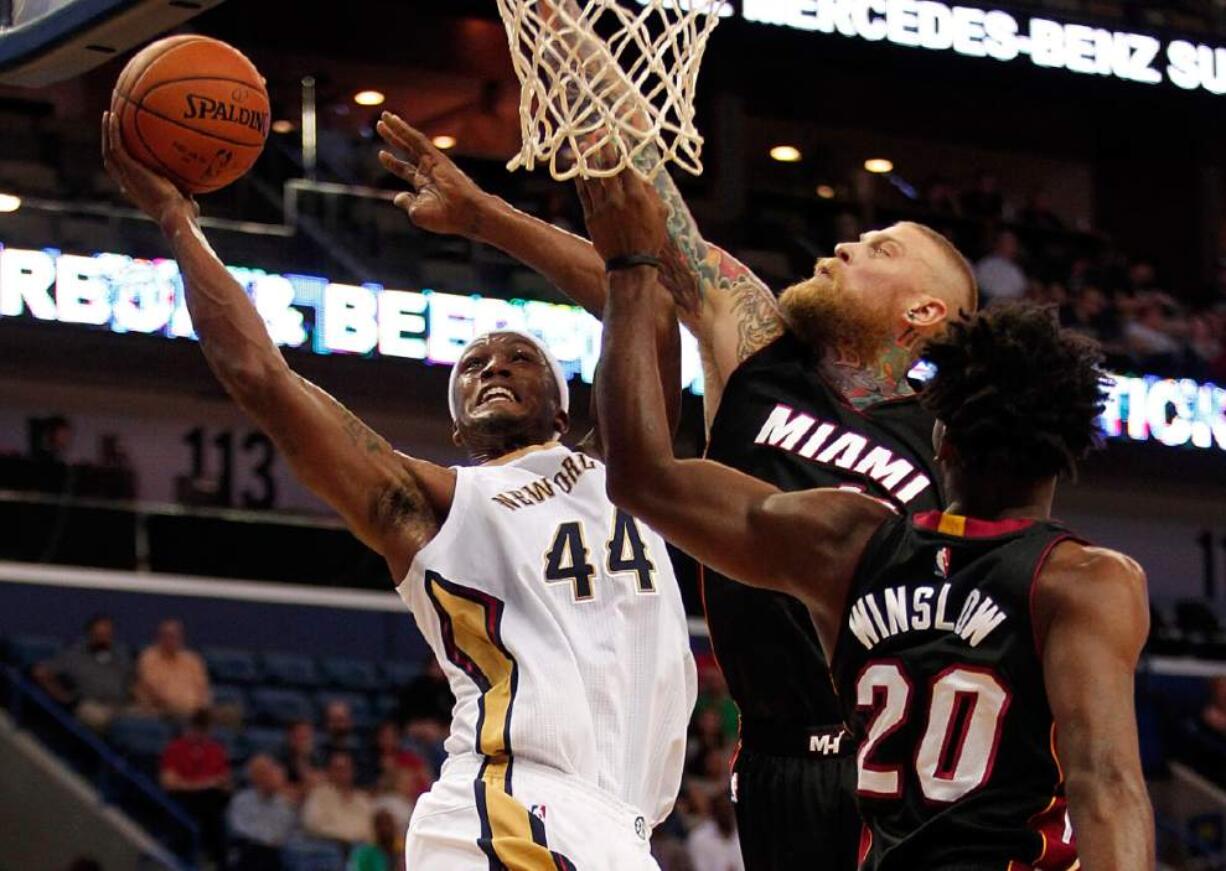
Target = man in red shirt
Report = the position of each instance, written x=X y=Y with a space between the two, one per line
x=196 y=773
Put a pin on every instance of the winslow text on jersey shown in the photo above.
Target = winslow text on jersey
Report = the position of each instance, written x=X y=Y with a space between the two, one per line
x=873 y=618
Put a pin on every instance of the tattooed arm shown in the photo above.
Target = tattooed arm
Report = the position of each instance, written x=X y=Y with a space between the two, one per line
x=391 y=502
x=731 y=311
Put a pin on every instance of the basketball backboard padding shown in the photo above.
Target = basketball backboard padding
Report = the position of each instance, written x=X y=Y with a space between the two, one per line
x=72 y=37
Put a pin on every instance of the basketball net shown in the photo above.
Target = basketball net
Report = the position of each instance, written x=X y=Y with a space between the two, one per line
x=592 y=106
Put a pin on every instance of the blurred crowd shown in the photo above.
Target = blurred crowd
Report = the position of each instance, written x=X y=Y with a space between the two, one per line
x=330 y=780
x=1142 y=326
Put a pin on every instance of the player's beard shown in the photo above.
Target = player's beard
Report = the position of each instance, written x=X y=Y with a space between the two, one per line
x=828 y=319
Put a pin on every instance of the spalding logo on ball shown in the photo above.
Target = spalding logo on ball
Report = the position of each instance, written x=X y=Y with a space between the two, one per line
x=194 y=109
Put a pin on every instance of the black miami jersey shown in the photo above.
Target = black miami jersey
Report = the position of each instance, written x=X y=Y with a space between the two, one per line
x=940 y=679
x=781 y=422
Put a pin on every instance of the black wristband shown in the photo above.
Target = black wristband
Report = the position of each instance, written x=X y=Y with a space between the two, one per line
x=629 y=261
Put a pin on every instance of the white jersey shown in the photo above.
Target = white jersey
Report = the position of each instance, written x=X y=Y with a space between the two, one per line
x=558 y=621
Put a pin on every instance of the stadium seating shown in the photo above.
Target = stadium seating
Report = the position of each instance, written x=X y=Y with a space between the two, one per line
x=397 y=673
x=261 y=739
x=280 y=706
x=311 y=855
x=141 y=740
x=25 y=650
x=357 y=675
x=232 y=698
x=291 y=669
x=232 y=666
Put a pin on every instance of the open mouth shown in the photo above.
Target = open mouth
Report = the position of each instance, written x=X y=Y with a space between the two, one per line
x=495 y=393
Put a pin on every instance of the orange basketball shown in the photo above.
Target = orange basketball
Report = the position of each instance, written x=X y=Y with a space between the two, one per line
x=194 y=109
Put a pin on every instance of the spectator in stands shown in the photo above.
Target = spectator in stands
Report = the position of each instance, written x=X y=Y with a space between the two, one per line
x=1214 y=715
x=260 y=818
x=425 y=711
x=985 y=200
x=341 y=737
x=93 y=676
x=713 y=844
x=386 y=853
x=335 y=808
x=390 y=755
x=941 y=197
x=302 y=759
x=196 y=773
x=1038 y=212
x=1150 y=336
x=171 y=680
x=1000 y=277
x=50 y=439
x=399 y=791
x=713 y=693
x=706 y=734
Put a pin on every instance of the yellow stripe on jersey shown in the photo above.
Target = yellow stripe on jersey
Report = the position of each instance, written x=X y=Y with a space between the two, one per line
x=471 y=623
x=513 y=835
x=952 y=524
x=472 y=628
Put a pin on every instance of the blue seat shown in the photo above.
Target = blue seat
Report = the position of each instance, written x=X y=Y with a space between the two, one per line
x=386 y=706
x=26 y=650
x=359 y=706
x=231 y=697
x=397 y=672
x=280 y=706
x=232 y=666
x=306 y=854
x=291 y=669
x=261 y=739
x=234 y=742
x=141 y=737
x=359 y=675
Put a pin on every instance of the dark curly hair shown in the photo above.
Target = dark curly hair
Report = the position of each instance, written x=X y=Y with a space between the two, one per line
x=1017 y=394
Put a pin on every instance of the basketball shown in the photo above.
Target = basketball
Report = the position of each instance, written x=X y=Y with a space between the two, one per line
x=194 y=109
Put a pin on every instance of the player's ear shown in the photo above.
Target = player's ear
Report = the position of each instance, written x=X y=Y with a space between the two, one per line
x=456 y=438
x=926 y=313
x=561 y=423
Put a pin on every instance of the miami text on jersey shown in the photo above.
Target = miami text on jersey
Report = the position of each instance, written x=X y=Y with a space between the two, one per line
x=902 y=609
x=832 y=445
x=542 y=489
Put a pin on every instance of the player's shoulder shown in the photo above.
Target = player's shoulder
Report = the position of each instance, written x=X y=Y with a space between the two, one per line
x=1080 y=573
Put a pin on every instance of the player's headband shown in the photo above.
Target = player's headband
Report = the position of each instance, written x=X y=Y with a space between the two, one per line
x=559 y=376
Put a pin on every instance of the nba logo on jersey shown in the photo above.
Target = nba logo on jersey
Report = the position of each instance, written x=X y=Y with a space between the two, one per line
x=943 y=562
x=538 y=811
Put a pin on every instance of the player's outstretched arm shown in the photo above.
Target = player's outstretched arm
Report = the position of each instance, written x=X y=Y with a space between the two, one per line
x=392 y=502
x=739 y=525
x=729 y=310
x=442 y=199
x=1091 y=616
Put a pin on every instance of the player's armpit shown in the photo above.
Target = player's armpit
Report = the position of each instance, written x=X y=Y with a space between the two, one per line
x=1091 y=617
x=393 y=503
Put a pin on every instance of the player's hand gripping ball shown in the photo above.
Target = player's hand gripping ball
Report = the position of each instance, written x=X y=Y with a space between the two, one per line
x=194 y=110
